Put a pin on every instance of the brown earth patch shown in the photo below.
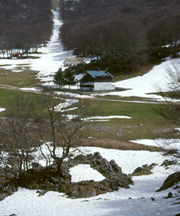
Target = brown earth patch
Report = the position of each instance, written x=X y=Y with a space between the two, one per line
x=115 y=144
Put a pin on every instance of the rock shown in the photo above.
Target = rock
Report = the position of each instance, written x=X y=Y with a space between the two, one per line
x=106 y=168
x=171 y=151
x=45 y=179
x=152 y=198
x=167 y=162
x=79 y=157
x=115 y=167
x=54 y=180
x=170 y=195
x=170 y=181
x=97 y=155
x=138 y=169
x=41 y=192
x=144 y=170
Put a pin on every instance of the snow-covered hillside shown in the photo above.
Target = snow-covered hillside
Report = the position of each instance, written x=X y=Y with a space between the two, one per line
x=141 y=199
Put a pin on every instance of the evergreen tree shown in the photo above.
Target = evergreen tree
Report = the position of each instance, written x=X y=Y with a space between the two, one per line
x=69 y=77
x=59 y=79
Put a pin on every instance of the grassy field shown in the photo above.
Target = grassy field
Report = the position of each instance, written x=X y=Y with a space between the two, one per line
x=20 y=79
x=144 y=122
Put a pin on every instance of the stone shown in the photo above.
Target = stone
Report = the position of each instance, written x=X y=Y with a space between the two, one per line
x=170 y=181
x=152 y=198
x=168 y=163
x=170 y=195
x=115 y=167
x=54 y=180
x=138 y=169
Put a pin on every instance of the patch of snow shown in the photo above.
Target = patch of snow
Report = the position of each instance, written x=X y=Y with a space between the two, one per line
x=65 y=104
x=74 y=95
x=87 y=173
x=128 y=160
x=109 y=117
x=96 y=118
x=30 y=89
x=133 y=201
x=146 y=85
x=160 y=142
x=2 y=109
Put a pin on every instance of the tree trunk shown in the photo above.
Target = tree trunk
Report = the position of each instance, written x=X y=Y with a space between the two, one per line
x=59 y=162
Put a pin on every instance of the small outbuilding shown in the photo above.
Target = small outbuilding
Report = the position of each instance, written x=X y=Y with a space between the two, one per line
x=97 y=81
x=69 y=62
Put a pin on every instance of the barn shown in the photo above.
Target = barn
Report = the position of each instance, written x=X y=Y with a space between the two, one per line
x=96 y=80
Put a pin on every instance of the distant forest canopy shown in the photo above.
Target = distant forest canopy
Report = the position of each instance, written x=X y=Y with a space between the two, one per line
x=25 y=24
x=122 y=33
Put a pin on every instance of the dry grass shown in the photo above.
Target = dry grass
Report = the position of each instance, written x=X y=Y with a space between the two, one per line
x=111 y=143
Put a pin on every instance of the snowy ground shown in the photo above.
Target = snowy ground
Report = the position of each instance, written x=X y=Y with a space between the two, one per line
x=135 y=201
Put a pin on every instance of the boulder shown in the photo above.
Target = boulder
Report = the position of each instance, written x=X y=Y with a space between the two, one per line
x=168 y=162
x=170 y=181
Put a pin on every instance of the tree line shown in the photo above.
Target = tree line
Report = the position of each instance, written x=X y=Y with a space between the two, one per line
x=122 y=33
x=25 y=24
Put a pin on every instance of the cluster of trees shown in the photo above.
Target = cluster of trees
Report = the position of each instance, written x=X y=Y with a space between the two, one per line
x=35 y=123
x=124 y=33
x=25 y=24
x=64 y=78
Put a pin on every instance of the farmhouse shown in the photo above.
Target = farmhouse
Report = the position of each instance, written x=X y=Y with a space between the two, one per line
x=96 y=81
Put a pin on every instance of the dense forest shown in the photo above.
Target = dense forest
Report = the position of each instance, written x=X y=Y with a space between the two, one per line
x=121 y=33
x=25 y=24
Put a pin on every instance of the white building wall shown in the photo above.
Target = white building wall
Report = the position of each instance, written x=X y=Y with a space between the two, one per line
x=103 y=86
x=89 y=88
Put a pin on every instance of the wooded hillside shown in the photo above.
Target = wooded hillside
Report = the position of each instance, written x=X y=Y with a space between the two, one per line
x=125 y=33
x=25 y=24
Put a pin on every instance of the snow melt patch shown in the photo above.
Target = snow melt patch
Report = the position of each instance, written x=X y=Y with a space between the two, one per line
x=161 y=142
x=2 y=109
x=108 y=117
x=83 y=172
x=133 y=201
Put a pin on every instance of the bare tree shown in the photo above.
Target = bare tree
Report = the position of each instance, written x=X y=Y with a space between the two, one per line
x=16 y=135
x=33 y=124
x=170 y=107
x=57 y=132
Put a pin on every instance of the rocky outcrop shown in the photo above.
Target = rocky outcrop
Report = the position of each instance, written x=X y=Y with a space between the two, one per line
x=114 y=178
x=170 y=181
x=46 y=179
x=144 y=170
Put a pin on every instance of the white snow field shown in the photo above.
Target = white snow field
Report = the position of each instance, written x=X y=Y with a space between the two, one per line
x=135 y=201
